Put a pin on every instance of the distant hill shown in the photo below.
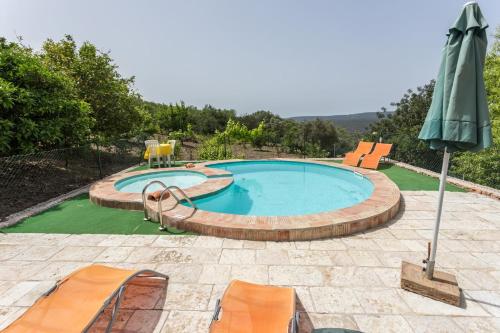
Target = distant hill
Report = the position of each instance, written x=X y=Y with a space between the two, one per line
x=351 y=122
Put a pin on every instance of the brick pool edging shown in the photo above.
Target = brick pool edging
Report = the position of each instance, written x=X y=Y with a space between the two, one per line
x=103 y=193
x=382 y=206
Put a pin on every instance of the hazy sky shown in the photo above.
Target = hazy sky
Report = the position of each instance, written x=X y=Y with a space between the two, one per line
x=290 y=57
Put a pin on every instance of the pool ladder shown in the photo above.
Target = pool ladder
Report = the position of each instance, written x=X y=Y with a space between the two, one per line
x=166 y=189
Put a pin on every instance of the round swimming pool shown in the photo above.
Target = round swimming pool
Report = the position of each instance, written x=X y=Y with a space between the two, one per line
x=282 y=188
x=182 y=179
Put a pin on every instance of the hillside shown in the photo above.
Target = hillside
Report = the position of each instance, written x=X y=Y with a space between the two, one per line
x=351 y=122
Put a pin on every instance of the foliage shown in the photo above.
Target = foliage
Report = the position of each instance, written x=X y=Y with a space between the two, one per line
x=109 y=109
x=403 y=126
x=484 y=167
x=116 y=108
x=40 y=108
x=215 y=148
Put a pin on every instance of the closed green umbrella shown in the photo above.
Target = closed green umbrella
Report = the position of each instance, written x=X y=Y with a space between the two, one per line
x=458 y=118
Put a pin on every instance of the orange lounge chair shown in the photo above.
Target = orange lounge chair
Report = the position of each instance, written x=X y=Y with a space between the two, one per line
x=352 y=158
x=372 y=160
x=253 y=308
x=75 y=303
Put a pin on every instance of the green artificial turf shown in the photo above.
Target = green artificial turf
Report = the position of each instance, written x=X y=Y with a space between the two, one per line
x=80 y=216
x=146 y=166
x=408 y=180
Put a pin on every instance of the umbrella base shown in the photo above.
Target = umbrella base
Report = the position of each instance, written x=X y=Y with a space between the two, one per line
x=443 y=287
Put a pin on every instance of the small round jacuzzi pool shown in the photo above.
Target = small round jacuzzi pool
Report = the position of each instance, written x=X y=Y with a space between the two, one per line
x=182 y=179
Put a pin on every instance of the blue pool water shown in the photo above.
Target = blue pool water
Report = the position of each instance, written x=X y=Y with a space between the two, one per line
x=279 y=188
x=183 y=179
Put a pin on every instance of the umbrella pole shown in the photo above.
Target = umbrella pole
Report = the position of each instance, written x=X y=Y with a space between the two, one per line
x=429 y=269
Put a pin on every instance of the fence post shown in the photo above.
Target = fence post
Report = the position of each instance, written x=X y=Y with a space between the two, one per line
x=99 y=166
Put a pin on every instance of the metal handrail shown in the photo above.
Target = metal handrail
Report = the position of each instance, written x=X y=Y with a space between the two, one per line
x=160 y=207
x=146 y=217
x=168 y=189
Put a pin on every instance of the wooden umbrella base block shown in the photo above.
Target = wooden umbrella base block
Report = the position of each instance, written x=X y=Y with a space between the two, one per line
x=443 y=287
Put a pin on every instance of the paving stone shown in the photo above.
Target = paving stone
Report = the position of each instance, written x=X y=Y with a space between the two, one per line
x=34 y=293
x=365 y=258
x=256 y=245
x=328 y=244
x=323 y=322
x=340 y=258
x=308 y=257
x=391 y=244
x=382 y=323
x=350 y=282
x=168 y=241
x=9 y=314
x=303 y=245
x=57 y=270
x=213 y=274
x=487 y=300
x=232 y=243
x=208 y=242
x=184 y=296
x=335 y=300
x=295 y=275
x=78 y=253
x=390 y=277
x=361 y=244
x=426 y=306
x=432 y=324
x=475 y=324
x=237 y=256
x=187 y=322
x=115 y=254
x=13 y=294
x=272 y=257
x=38 y=252
x=83 y=240
x=251 y=273
x=141 y=240
x=113 y=240
x=350 y=276
x=381 y=301
x=10 y=251
x=181 y=273
x=304 y=299
x=20 y=270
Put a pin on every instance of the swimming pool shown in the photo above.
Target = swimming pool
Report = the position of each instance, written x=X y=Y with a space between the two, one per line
x=284 y=188
x=182 y=179
x=271 y=200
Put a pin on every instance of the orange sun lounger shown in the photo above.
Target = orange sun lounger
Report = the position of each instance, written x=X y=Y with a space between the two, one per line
x=253 y=308
x=352 y=158
x=77 y=301
x=372 y=160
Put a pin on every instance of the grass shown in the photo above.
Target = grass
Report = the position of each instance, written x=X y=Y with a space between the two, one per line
x=408 y=180
x=80 y=216
x=146 y=166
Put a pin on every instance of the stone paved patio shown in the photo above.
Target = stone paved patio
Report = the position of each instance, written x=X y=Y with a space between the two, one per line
x=350 y=282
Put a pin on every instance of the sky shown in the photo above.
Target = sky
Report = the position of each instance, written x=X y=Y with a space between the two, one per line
x=291 y=57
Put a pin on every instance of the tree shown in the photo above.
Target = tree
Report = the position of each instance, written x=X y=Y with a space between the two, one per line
x=403 y=127
x=40 y=107
x=116 y=108
x=484 y=167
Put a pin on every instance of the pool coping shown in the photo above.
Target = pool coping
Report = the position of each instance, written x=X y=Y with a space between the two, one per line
x=104 y=193
x=378 y=209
